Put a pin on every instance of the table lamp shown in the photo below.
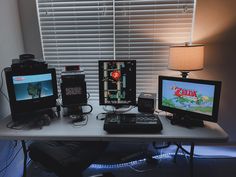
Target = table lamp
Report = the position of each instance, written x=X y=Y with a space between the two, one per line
x=186 y=58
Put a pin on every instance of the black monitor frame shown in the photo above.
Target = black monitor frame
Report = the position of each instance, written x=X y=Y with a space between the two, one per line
x=178 y=113
x=132 y=83
x=20 y=109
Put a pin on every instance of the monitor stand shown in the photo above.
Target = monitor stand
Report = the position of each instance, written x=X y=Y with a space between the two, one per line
x=186 y=121
x=121 y=108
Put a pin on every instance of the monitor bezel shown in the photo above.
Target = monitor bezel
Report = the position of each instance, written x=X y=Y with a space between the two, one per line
x=185 y=113
x=133 y=103
x=21 y=107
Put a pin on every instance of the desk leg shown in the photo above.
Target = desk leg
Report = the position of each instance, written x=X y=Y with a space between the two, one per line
x=176 y=153
x=191 y=160
x=25 y=157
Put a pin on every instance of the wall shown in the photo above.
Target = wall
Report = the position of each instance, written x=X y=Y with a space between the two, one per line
x=215 y=27
x=30 y=28
x=11 y=43
x=11 y=46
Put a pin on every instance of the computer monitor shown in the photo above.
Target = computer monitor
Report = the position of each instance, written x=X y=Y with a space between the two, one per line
x=117 y=82
x=31 y=91
x=189 y=99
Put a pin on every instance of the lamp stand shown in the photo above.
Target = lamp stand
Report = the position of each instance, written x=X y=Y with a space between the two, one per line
x=184 y=74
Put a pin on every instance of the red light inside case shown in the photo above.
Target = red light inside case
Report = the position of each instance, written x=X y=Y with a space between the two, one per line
x=116 y=75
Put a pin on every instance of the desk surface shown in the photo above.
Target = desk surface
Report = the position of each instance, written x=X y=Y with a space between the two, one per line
x=63 y=129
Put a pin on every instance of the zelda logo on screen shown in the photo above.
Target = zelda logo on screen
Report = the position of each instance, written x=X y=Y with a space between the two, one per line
x=192 y=97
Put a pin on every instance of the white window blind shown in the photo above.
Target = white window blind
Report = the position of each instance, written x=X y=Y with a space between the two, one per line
x=80 y=32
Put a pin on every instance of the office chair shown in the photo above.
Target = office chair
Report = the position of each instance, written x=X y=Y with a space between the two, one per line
x=66 y=158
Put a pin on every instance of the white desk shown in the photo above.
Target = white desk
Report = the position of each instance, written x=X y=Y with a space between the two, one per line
x=62 y=129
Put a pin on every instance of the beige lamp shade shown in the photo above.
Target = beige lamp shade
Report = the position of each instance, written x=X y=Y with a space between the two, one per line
x=186 y=58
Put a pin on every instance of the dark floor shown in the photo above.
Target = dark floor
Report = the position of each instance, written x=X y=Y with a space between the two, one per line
x=165 y=167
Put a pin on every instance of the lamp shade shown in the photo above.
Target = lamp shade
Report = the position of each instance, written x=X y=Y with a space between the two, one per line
x=186 y=58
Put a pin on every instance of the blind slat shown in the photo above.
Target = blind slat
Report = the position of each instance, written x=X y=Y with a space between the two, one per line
x=81 y=32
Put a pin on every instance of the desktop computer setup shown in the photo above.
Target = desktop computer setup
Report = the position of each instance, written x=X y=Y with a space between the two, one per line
x=32 y=89
x=117 y=88
x=189 y=100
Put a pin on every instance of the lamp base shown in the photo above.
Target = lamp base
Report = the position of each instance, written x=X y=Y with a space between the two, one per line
x=184 y=74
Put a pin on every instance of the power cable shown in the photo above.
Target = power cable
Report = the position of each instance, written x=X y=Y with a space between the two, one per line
x=1 y=170
x=1 y=86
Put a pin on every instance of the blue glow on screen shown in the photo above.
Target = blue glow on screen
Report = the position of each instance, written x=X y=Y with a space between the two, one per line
x=187 y=96
x=32 y=86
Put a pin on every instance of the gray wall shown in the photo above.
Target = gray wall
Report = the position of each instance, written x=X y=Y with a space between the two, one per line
x=11 y=46
x=30 y=29
x=215 y=27
x=11 y=42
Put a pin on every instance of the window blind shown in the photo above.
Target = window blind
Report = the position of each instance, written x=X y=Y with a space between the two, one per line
x=80 y=32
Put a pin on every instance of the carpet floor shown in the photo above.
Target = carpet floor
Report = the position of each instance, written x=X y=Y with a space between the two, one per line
x=117 y=162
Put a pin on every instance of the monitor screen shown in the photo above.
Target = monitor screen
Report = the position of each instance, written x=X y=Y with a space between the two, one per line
x=31 y=90
x=29 y=87
x=117 y=82
x=192 y=97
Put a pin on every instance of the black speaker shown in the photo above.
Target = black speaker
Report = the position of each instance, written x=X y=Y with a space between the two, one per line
x=73 y=88
x=147 y=102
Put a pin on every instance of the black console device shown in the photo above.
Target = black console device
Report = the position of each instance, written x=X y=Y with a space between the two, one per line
x=73 y=88
x=132 y=123
x=29 y=63
x=32 y=88
x=147 y=102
